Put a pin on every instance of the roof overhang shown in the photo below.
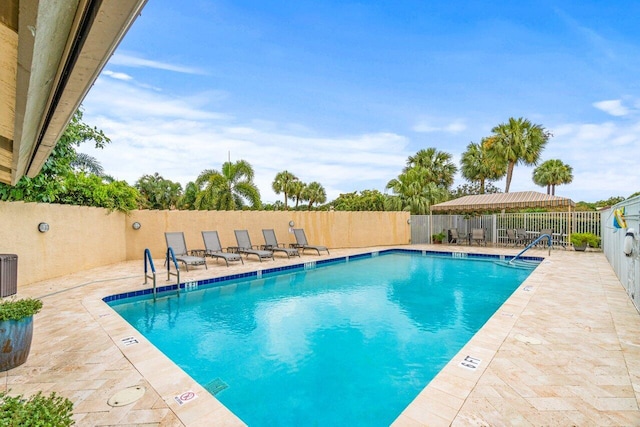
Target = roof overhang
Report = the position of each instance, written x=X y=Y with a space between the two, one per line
x=498 y=201
x=62 y=46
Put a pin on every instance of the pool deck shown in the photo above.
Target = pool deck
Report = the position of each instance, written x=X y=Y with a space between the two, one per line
x=564 y=349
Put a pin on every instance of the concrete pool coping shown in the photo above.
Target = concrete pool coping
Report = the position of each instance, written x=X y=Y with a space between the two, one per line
x=562 y=351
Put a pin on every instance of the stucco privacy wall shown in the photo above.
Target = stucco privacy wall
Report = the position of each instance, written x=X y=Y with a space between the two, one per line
x=332 y=229
x=81 y=238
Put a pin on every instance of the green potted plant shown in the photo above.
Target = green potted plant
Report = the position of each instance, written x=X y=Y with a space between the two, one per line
x=38 y=410
x=438 y=238
x=580 y=241
x=16 y=330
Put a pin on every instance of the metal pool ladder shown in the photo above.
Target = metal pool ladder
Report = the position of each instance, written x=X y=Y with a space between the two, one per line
x=530 y=245
x=148 y=261
x=171 y=257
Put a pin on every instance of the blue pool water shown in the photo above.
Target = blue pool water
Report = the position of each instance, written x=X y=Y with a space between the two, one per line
x=346 y=344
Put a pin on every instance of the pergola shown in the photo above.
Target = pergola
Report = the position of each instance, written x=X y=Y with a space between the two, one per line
x=499 y=201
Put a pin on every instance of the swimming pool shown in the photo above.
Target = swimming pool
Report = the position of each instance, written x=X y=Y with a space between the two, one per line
x=344 y=342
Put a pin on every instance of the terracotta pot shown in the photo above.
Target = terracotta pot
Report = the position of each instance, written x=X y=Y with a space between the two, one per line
x=15 y=342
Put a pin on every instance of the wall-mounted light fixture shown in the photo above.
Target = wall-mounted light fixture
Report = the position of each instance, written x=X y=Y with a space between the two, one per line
x=43 y=227
x=291 y=223
x=409 y=221
x=136 y=225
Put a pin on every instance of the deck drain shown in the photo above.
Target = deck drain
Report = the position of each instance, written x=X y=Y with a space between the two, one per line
x=216 y=386
x=126 y=396
x=528 y=340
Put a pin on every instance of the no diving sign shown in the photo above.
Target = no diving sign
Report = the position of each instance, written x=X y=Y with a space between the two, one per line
x=185 y=397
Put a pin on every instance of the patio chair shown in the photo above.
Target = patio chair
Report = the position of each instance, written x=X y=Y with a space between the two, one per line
x=301 y=242
x=512 y=237
x=545 y=241
x=523 y=236
x=213 y=248
x=455 y=237
x=478 y=236
x=245 y=246
x=271 y=244
x=175 y=241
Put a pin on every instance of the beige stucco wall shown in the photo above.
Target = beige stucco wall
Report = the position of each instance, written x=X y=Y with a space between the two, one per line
x=81 y=237
x=332 y=229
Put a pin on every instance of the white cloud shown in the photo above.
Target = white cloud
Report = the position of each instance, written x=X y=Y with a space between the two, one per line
x=137 y=62
x=180 y=137
x=117 y=76
x=427 y=126
x=613 y=107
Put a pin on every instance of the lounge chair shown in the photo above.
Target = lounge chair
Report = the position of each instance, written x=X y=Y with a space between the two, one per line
x=271 y=244
x=301 y=242
x=245 y=246
x=213 y=248
x=478 y=236
x=175 y=241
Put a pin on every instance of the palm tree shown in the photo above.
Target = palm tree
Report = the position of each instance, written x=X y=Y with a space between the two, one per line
x=414 y=193
x=440 y=169
x=158 y=193
x=230 y=189
x=297 y=188
x=479 y=166
x=283 y=183
x=314 y=192
x=87 y=164
x=517 y=141
x=552 y=173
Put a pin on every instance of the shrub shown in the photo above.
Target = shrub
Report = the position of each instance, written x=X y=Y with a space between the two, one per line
x=17 y=309
x=438 y=238
x=38 y=410
x=581 y=239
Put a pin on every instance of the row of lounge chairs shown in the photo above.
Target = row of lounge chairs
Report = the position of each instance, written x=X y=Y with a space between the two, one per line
x=213 y=247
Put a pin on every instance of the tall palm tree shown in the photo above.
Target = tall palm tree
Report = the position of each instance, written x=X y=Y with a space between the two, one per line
x=283 y=183
x=479 y=166
x=437 y=164
x=551 y=173
x=517 y=141
x=230 y=189
x=314 y=192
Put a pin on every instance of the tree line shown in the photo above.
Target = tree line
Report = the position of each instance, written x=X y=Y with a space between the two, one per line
x=69 y=177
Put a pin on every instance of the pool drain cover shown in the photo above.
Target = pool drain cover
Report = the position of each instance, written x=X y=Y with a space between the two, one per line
x=126 y=396
x=216 y=386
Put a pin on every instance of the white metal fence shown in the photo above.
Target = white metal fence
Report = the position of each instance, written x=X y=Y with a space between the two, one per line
x=626 y=267
x=561 y=223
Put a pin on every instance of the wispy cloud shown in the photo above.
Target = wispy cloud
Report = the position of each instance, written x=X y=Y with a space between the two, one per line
x=117 y=76
x=613 y=107
x=592 y=37
x=179 y=138
x=428 y=126
x=127 y=60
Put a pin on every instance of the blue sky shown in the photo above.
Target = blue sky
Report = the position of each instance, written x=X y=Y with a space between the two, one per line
x=343 y=92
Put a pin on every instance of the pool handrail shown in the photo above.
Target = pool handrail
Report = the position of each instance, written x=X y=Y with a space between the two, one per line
x=171 y=256
x=148 y=261
x=530 y=245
